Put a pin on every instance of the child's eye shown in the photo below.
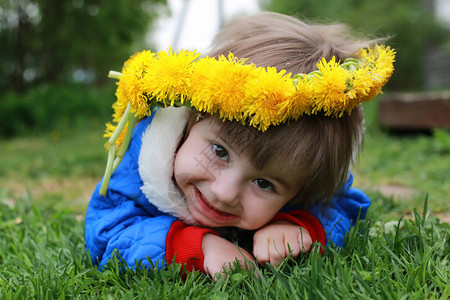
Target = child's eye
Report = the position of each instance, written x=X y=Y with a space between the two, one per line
x=264 y=184
x=220 y=152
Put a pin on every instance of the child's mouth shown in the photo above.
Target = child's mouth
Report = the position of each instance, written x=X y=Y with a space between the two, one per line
x=209 y=211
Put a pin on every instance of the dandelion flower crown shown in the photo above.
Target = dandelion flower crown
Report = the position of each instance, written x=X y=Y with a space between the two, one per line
x=255 y=96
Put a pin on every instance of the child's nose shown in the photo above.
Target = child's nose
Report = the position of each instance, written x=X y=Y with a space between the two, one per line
x=226 y=187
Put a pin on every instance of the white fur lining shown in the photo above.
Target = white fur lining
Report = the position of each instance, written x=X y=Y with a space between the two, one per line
x=159 y=143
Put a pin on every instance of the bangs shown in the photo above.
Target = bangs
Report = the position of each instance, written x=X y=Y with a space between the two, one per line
x=280 y=144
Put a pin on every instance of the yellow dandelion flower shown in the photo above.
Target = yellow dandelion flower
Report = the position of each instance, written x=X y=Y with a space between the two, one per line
x=130 y=90
x=138 y=64
x=110 y=128
x=384 y=65
x=379 y=63
x=360 y=83
x=119 y=108
x=198 y=94
x=168 y=78
x=264 y=95
x=300 y=102
x=359 y=87
x=330 y=88
x=219 y=86
x=373 y=92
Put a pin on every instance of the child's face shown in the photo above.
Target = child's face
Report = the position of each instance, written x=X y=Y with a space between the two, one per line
x=223 y=188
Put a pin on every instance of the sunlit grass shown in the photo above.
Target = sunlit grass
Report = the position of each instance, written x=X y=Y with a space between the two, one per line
x=59 y=169
x=42 y=256
x=411 y=166
x=419 y=164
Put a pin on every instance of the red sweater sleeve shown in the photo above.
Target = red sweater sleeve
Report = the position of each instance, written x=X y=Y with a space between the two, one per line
x=305 y=220
x=184 y=243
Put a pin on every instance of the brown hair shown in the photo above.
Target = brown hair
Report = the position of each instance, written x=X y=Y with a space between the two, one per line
x=321 y=147
x=284 y=42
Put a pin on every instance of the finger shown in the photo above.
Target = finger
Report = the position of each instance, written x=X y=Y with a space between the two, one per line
x=247 y=261
x=277 y=252
x=291 y=244
x=261 y=250
x=304 y=240
x=292 y=248
x=215 y=274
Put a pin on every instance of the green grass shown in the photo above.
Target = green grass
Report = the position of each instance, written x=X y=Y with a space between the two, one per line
x=42 y=256
x=59 y=169
x=417 y=164
x=46 y=182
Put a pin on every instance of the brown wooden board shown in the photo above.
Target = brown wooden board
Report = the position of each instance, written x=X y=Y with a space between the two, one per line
x=415 y=111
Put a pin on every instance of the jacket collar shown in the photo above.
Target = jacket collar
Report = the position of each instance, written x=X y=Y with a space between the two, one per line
x=159 y=143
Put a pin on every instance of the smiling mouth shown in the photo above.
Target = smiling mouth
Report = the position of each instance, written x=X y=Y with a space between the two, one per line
x=209 y=211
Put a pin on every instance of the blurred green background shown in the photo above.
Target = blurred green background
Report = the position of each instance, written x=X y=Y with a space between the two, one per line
x=55 y=97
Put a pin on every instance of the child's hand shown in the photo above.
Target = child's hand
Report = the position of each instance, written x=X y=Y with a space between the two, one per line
x=219 y=252
x=273 y=242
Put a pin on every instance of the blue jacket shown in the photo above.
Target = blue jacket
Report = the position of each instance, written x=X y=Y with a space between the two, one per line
x=126 y=220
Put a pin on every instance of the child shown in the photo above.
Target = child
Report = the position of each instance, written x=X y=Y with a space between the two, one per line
x=258 y=150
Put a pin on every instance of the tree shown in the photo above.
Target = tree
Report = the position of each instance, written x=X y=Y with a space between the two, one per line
x=47 y=40
x=410 y=24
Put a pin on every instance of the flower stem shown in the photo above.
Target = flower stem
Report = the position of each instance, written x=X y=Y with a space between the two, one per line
x=111 y=146
x=123 y=121
x=108 y=171
x=350 y=63
x=300 y=75
x=114 y=74
x=126 y=141
x=315 y=73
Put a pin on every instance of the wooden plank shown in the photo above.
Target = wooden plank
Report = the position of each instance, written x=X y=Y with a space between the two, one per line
x=415 y=111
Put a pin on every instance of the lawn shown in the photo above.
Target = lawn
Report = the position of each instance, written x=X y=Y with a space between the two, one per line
x=401 y=250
